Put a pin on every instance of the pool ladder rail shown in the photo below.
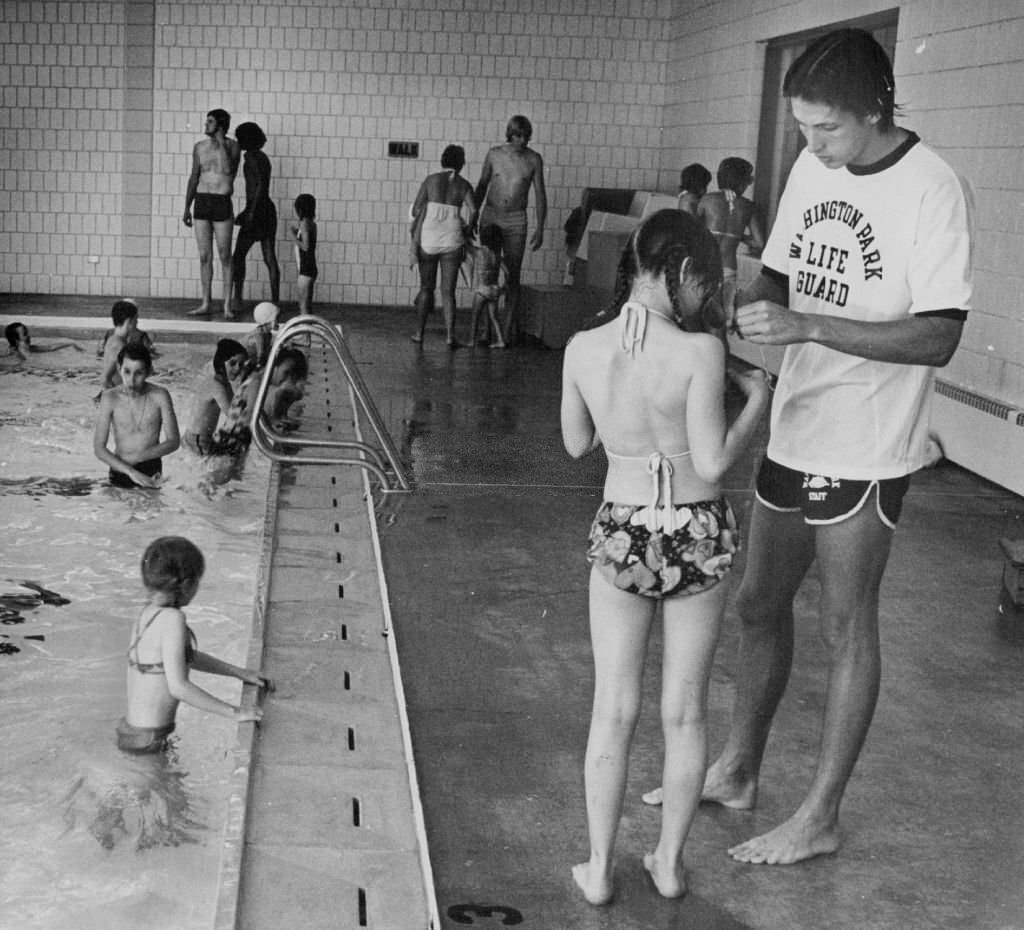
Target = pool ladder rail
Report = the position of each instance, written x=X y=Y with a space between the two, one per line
x=286 y=448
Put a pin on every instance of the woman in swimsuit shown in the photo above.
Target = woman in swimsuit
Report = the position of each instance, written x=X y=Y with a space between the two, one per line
x=163 y=651
x=647 y=381
x=441 y=214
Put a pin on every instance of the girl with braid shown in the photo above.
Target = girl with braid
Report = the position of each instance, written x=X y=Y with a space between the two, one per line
x=163 y=652
x=647 y=381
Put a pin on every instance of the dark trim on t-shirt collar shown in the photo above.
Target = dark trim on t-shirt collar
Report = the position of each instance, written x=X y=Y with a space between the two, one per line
x=889 y=160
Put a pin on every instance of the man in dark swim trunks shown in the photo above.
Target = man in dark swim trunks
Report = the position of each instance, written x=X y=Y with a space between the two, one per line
x=502 y=193
x=137 y=413
x=208 y=207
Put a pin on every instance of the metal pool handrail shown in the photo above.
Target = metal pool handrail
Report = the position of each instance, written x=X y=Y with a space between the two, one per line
x=273 y=444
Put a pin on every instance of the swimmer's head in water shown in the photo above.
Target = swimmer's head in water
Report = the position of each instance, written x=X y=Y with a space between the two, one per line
x=221 y=119
x=519 y=126
x=17 y=334
x=136 y=352
x=123 y=311
x=229 y=353
x=250 y=137
x=849 y=70
x=677 y=245
x=173 y=566
x=290 y=365
x=134 y=368
x=265 y=313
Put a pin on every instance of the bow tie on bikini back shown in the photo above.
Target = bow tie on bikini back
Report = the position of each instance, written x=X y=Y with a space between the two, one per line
x=633 y=325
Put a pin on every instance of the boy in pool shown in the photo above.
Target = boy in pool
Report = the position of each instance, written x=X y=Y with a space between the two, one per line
x=287 y=386
x=137 y=413
x=21 y=343
x=163 y=651
x=125 y=317
x=139 y=336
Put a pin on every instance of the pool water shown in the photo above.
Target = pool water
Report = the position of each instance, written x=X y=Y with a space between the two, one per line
x=90 y=837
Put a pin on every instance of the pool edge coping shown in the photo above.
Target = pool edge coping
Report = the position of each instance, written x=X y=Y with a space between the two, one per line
x=229 y=881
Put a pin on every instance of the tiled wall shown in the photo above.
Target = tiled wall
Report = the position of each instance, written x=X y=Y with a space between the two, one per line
x=330 y=82
x=959 y=75
x=103 y=101
x=62 y=75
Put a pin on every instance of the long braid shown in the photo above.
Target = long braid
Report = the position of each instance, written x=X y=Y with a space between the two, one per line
x=670 y=264
x=624 y=275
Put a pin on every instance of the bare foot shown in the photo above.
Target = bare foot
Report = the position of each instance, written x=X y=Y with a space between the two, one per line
x=597 y=888
x=228 y=314
x=670 y=882
x=729 y=789
x=202 y=310
x=416 y=337
x=497 y=345
x=719 y=788
x=793 y=841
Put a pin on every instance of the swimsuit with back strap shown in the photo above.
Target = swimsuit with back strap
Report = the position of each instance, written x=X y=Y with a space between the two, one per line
x=633 y=329
x=157 y=668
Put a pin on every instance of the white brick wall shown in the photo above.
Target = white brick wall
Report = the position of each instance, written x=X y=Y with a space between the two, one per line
x=620 y=92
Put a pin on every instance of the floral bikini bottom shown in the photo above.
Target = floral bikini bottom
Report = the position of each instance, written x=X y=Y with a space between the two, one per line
x=664 y=551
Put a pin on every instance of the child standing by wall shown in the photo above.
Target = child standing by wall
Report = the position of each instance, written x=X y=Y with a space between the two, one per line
x=163 y=651
x=304 y=234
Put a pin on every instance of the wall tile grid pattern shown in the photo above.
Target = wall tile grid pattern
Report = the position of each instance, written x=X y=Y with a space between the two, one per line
x=333 y=81
x=331 y=84
x=61 y=70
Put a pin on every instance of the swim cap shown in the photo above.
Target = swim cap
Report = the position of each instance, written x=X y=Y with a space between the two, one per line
x=265 y=312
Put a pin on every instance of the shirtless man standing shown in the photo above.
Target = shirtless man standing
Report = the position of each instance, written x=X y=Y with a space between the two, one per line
x=137 y=412
x=210 y=185
x=732 y=219
x=504 y=190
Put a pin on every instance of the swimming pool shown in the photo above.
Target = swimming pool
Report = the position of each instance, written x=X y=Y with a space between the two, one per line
x=90 y=837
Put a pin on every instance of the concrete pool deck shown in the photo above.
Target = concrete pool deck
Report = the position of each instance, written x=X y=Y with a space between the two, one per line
x=486 y=583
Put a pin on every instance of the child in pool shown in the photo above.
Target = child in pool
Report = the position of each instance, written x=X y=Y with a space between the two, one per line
x=138 y=414
x=21 y=344
x=286 y=387
x=162 y=652
x=304 y=234
x=259 y=341
x=125 y=317
x=211 y=401
x=647 y=380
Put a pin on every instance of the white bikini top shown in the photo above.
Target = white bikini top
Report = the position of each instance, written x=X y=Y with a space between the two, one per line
x=633 y=325
x=661 y=514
